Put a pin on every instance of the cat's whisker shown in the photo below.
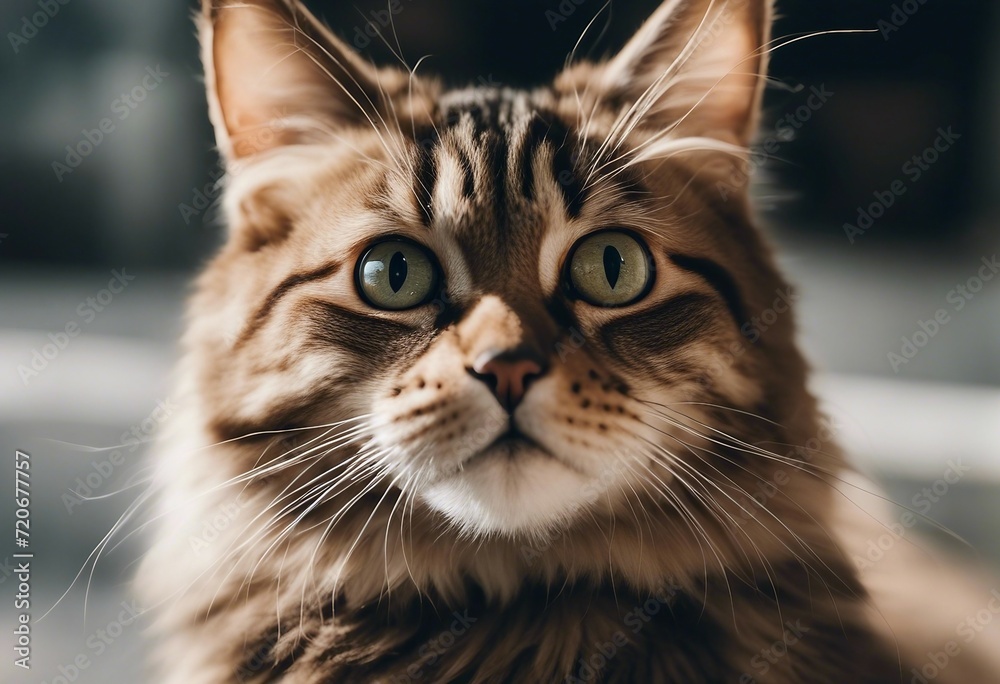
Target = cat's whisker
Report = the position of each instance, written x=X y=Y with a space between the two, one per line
x=333 y=520
x=722 y=407
x=732 y=442
x=570 y=58
x=359 y=465
x=835 y=475
x=400 y=501
x=707 y=482
x=693 y=449
x=94 y=556
x=844 y=584
x=711 y=502
x=649 y=528
x=778 y=43
x=697 y=530
x=242 y=478
x=326 y=493
x=320 y=451
x=718 y=511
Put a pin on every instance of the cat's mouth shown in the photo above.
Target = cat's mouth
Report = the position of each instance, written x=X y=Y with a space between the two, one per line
x=513 y=445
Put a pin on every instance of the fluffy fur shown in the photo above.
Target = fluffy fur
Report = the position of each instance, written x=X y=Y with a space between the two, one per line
x=334 y=505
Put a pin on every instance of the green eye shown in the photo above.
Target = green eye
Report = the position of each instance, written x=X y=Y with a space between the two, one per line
x=610 y=268
x=396 y=275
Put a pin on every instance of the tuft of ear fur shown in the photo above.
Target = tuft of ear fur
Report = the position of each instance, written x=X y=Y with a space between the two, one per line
x=276 y=76
x=696 y=68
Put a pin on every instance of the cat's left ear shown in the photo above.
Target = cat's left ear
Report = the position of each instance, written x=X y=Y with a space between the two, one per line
x=696 y=65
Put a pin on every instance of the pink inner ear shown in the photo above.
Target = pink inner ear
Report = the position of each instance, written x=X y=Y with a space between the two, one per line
x=254 y=60
x=706 y=69
x=721 y=79
x=271 y=68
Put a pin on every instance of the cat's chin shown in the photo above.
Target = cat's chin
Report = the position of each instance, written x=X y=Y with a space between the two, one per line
x=512 y=488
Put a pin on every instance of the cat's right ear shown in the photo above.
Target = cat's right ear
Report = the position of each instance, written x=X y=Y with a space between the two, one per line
x=696 y=68
x=276 y=75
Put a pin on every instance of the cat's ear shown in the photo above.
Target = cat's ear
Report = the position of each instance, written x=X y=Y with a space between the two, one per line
x=274 y=73
x=696 y=65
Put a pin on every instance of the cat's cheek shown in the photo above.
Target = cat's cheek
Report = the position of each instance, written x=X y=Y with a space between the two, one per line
x=428 y=430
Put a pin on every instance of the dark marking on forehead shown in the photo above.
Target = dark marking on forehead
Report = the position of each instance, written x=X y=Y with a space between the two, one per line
x=499 y=139
x=468 y=175
x=425 y=177
x=566 y=175
x=537 y=132
x=497 y=147
x=487 y=108
x=546 y=127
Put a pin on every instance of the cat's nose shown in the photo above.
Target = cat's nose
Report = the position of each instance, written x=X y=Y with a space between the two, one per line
x=508 y=373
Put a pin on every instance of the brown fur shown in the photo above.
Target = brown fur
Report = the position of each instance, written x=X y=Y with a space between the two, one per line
x=337 y=553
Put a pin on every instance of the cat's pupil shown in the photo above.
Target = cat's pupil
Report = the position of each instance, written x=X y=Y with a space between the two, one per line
x=612 y=265
x=397 y=271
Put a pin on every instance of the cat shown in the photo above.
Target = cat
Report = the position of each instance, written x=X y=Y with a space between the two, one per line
x=473 y=392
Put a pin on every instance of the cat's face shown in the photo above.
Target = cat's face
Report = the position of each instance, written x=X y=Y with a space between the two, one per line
x=521 y=303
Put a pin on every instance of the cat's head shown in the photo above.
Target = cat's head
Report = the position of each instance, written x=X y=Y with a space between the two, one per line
x=522 y=308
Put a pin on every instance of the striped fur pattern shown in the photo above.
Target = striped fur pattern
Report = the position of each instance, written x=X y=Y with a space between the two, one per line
x=334 y=505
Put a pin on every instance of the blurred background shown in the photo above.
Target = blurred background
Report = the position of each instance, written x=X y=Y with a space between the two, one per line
x=881 y=196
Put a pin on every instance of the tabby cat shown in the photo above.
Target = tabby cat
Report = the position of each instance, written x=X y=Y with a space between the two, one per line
x=477 y=389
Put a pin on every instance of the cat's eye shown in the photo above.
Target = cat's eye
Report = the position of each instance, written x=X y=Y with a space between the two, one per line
x=610 y=268
x=397 y=274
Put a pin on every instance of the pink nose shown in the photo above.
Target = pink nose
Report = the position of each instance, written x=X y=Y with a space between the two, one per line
x=508 y=374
